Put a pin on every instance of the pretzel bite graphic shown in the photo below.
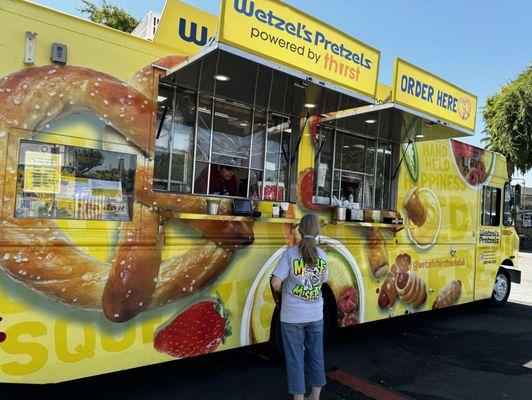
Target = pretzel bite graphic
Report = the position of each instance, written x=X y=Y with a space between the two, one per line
x=415 y=208
x=377 y=257
x=464 y=108
x=449 y=295
x=423 y=209
x=388 y=293
x=41 y=256
x=411 y=289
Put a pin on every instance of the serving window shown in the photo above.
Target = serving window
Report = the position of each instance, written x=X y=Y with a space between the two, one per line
x=243 y=128
x=67 y=182
x=353 y=165
x=229 y=151
x=209 y=145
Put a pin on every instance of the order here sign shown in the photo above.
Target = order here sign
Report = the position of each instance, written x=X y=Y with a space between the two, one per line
x=422 y=91
x=276 y=31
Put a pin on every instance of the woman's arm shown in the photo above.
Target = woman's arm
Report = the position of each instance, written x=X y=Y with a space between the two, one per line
x=276 y=284
x=280 y=273
x=276 y=287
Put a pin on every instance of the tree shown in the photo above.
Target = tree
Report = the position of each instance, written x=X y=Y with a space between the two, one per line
x=109 y=15
x=87 y=159
x=508 y=120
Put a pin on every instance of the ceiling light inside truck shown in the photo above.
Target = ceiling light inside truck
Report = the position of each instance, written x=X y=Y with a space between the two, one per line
x=222 y=78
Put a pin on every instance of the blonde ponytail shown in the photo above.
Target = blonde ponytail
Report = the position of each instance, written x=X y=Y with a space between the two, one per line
x=309 y=228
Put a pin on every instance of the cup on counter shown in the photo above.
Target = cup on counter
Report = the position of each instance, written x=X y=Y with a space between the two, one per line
x=213 y=205
x=339 y=213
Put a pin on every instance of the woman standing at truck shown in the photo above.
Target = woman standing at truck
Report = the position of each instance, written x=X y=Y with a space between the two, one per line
x=299 y=276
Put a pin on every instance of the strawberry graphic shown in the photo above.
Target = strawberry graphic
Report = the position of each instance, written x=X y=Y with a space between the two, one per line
x=198 y=330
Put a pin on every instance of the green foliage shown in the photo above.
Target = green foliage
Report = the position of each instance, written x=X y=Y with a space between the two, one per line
x=109 y=15
x=87 y=159
x=508 y=119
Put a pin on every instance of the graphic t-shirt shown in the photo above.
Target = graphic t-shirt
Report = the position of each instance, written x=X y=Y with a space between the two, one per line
x=302 y=300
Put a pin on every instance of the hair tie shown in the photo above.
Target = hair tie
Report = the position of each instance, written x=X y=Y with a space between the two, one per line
x=309 y=237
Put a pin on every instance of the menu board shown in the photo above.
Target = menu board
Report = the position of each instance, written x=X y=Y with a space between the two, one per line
x=42 y=173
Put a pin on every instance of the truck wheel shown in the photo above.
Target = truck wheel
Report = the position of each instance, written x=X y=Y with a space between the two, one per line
x=501 y=289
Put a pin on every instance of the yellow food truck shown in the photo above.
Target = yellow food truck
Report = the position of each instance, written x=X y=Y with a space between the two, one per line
x=148 y=189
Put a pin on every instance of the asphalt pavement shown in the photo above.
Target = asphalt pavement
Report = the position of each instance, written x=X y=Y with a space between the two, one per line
x=469 y=352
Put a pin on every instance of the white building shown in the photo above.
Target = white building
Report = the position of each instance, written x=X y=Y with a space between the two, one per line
x=148 y=26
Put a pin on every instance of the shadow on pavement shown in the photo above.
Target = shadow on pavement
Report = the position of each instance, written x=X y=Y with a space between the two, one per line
x=472 y=351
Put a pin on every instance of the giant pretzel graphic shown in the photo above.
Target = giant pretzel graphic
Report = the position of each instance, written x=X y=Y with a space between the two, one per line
x=38 y=253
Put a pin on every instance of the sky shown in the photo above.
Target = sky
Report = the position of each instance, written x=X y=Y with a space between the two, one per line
x=479 y=45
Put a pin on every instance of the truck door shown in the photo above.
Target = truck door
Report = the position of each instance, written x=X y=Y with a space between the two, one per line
x=488 y=241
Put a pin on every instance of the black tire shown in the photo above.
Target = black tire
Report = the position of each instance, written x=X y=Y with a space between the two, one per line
x=501 y=288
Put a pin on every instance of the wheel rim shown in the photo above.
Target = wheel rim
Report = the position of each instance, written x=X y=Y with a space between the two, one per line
x=500 y=289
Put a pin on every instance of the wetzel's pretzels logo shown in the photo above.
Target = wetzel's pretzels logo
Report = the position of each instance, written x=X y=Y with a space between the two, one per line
x=464 y=108
x=41 y=256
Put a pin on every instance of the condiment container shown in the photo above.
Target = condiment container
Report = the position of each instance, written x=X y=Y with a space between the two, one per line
x=275 y=211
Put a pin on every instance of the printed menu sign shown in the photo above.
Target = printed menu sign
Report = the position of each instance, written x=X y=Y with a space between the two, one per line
x=42 y=173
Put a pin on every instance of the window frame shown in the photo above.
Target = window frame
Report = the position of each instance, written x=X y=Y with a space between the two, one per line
x=507 y=212
x=253 y=110
x=489 y=211
x=202 y=83
x=169 y=181
x=386 y=202
x=269 y=115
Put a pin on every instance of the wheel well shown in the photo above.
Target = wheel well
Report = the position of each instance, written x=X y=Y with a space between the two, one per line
x=513 y=274
x=508 y=263
x=276 y=319
x=330 y=303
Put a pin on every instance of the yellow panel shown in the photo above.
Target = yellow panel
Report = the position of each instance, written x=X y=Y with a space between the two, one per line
x=276 y=31
x=422 y=91
x=383 y=92
x=185 y=28
x=88 y=44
